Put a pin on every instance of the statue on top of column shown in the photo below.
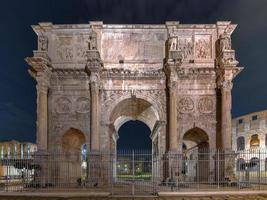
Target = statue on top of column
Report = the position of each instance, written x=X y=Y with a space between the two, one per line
x=173 y=44
x=225 y=42
x=43 y=43
x=92 y=41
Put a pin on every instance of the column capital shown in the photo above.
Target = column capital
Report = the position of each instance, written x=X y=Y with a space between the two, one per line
x=93 y=62
x=172 y=85
x=42 y=87
x=226 y=85
x=40 y=64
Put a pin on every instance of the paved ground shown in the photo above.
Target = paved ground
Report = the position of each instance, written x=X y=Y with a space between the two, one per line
x=219 y=195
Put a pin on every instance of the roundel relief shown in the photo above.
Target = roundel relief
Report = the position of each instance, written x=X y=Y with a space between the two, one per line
x=186 y=105
x=205 y=105
x=83 y=105
x=63 y=105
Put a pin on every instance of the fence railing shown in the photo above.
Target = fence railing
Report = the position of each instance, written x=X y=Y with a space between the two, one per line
x=136 y=172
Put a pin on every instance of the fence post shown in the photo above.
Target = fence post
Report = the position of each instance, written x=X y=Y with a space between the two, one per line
x=198 y=171
x=259 y=171
x=133 y=173
x=7 y=166
x=218 y=169
x=111 y=159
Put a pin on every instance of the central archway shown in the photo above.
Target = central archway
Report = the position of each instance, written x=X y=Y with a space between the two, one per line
x=134 y=135
x=132 y=110
x=133 y=120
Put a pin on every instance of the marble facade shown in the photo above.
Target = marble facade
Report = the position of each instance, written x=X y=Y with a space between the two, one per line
x=92 y=78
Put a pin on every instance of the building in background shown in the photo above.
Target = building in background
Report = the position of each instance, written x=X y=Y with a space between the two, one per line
x=249 y=137
x=11 y=152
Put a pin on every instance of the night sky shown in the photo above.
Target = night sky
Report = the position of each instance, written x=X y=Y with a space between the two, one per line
x=17 y=40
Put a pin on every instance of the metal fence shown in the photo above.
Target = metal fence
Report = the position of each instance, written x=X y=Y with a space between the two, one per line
x=136 y=172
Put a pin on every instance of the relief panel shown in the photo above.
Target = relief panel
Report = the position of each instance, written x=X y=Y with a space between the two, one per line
x=186 y=46
x=138 y=46
x=203 y=49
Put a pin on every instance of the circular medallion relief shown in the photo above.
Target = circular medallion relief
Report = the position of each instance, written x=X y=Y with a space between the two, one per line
x=205 y=105
x=186 y=105
x=82 y=105
x=63 y=105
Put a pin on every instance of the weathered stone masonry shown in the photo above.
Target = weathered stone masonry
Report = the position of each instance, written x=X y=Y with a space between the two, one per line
x=91 y=78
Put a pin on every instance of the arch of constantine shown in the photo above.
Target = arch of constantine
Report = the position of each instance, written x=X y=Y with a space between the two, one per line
x=92 y=78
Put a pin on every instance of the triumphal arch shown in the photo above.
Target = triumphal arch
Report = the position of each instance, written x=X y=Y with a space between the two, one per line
x=92 y=78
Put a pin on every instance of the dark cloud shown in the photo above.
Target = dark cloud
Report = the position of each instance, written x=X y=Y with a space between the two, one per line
x=17 y=40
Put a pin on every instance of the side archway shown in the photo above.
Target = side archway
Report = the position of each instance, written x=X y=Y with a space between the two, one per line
x=196 y=146
x=196 y=138
x=72 y=140
x=72 y=144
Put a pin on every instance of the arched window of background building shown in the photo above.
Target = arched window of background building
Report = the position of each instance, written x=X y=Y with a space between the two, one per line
x=265 y=164
x=254 y=141
x=8 y=152
x=2 y=152
x=240 y=143
x=240 y=164
x=28 y=150
x=265 y=140
x=84 y=152
x=15 y=150
x=254 y=164
x=21 y=151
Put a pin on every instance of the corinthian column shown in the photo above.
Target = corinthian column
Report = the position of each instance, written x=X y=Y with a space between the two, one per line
x=94 y=88
x=226 y=123
x=42 y=89
x=173 y=145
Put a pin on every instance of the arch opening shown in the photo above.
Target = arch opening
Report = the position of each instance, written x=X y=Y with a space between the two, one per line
x=134 y=135
x=134 y=109
x=196 y=138
x=196 y=153
x=72 y=140
x=133 y=120
x=74 y=149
